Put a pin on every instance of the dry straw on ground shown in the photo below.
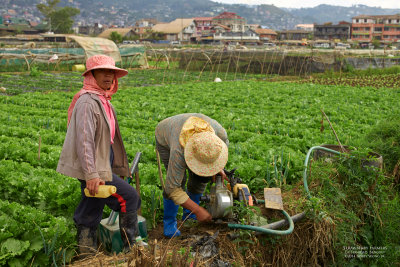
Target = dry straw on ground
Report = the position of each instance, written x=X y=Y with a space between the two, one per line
x=310 y=244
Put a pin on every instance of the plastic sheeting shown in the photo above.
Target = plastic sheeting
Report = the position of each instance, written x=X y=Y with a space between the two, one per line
x=127 y=56
x=95 y=45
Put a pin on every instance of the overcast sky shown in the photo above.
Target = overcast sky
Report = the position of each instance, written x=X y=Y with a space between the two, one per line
x=313 y=3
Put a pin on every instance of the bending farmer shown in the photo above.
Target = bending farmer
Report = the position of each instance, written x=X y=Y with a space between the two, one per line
x=94 y=153
x=195 y=142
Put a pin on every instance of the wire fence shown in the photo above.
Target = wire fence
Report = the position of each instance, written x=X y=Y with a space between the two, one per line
x=180 y=64
x=61 y=59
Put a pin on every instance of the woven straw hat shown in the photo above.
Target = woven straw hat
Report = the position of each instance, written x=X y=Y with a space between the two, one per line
x=103 y=62
x=191 y=126
x=206 y=154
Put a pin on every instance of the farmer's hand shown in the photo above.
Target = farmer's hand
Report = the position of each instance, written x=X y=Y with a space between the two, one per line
x=223 y=175
x=93 y=185
x=201 y=214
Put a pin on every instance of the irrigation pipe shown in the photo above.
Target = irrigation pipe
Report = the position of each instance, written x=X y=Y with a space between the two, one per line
x=266 y=229
x=306 y=164
x=269 y=228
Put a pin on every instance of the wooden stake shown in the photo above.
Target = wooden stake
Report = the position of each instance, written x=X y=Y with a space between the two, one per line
x=160 y=175
x=40 y=142
x=138 y=189
x=334 y=132
x=244 y=196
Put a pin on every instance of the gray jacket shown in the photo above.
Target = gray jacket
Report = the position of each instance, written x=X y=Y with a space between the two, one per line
x=86 y=150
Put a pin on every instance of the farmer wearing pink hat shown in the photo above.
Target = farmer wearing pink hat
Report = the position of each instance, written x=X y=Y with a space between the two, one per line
x=199 y=144
x=93 y=152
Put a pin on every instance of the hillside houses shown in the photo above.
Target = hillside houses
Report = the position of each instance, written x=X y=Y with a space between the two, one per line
x=231 y=28
x=177 y=30
x=124 y=32
x=227 y=27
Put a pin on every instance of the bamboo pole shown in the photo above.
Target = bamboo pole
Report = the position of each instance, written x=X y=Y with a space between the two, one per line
x=334 y=132
x=40 y=142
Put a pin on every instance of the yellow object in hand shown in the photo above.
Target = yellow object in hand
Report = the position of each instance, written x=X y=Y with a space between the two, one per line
x=104 y=191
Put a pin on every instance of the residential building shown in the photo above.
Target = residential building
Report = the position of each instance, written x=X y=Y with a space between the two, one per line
x=385 y=28
x=15 y=25
x=146 y=22
x=177 y=30
x=328 y=31
x=141 y=31
x=221 y=28
x=204 y=27
x=124 y=32
x=91 y=30
x=305 y=27
x=266 y=34
x=15 y=21
x=251 y=27
x=294 y=35
x=12 y=12
x=55 y=38
x=235 y=22
x=143 y=26
x=248 y=36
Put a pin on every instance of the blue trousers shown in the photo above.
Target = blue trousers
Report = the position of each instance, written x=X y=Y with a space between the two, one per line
x=90 y=210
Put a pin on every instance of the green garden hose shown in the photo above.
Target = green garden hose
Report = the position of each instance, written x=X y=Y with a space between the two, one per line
x=264 y=229
x=306 y=164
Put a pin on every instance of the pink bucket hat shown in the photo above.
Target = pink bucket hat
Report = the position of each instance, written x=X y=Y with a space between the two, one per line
x=205 y=154
x=103 y=62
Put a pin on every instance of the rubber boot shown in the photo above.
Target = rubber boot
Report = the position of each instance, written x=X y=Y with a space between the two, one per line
x=128 y=226
x=87 y=241
x=186 y=212
x=170 y=224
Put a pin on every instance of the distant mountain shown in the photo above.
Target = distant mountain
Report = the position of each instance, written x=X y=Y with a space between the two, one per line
x=125 y=13
x=327 y=13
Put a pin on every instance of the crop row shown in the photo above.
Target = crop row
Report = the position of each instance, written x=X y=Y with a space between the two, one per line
x=30 y=237
x=41 y=188
x=27 y=150
x=38 y=101
x=376 y=81
x=48 y=82
x=270 y=126
x=263 y=120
